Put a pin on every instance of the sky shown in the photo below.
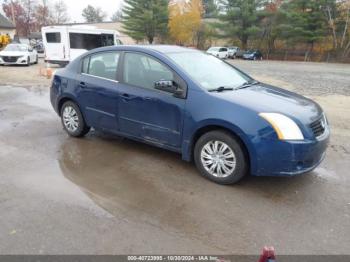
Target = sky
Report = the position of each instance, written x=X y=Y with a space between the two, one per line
x=75 y=7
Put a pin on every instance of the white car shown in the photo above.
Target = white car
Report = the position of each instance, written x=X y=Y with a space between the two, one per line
x=18 y=54
x=232 y=51
x=220 y=52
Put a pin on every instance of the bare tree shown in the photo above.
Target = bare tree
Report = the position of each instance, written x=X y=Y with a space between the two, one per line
x=43 y=14
x=29 y=15
x=60 y=12
x=117 y=16
x=93 y=14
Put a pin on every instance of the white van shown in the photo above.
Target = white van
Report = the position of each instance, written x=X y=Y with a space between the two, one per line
x=63 y=44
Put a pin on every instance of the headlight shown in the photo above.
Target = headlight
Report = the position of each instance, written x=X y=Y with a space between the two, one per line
x=285 y=127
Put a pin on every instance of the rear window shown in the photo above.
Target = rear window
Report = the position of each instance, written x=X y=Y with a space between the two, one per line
x=53 y=37
x=90 y=41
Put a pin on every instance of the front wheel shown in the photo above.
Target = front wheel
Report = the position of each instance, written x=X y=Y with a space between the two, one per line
x=73 y=121
x=220 y=157
x=28 y=61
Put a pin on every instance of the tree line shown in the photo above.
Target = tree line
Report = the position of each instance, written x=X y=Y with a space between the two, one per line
x=312 y=26
x=271 y=25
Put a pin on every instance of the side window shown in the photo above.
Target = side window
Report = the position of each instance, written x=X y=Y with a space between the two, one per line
x=107 y=40
x=90 y=41
x=103 y=65
x=143 y=71
x=53 y=37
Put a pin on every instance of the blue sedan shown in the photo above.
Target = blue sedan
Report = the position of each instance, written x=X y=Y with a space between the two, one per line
x=195 y=104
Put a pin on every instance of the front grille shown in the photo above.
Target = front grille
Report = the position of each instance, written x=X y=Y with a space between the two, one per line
x=319 y=126
x=10 y=59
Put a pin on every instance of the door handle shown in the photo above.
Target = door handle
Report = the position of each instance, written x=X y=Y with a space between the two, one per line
x=126 y=97
x=82 y=84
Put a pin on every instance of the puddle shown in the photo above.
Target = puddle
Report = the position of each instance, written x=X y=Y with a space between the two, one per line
x=127 y=178
x=29 y=96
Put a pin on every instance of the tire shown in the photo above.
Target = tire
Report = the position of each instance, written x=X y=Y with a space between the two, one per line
x=73 y=121
x=238 y=164
x=36 y=60
x=28 y=61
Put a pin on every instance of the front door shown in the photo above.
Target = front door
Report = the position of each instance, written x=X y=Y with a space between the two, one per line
x=145 y=112
x=98 y=90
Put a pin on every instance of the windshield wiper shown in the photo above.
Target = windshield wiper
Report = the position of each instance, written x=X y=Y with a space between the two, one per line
x=248 y=84
x=221 y=89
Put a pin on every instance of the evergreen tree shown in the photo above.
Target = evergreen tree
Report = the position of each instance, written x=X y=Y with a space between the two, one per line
x=145 y=19
x=241 y=19
x=304 y=21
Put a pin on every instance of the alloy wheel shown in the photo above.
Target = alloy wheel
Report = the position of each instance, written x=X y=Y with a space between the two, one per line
x=70 y=119
x=218 y=159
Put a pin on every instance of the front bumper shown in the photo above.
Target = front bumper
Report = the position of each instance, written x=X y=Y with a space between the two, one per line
x=20 y=61
x=290 y=158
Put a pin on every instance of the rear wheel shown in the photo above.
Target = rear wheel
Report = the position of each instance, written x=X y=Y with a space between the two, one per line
x=36 y=60
x=73 y=121
x=220 y=157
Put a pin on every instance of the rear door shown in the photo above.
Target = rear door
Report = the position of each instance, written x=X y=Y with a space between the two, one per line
x=56 y=45
x=97 y=87
x=145 y=112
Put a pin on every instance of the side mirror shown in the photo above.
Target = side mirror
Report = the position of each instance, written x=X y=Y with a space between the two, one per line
x=170 y=87
x=30 y=49
x=165 y=85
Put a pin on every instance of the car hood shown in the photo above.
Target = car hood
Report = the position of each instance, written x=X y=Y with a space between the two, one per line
x=13 y=53
x=264 y=98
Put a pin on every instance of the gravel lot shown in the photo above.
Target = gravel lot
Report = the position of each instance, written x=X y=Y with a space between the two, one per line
x=106 y=195
x=305 y=78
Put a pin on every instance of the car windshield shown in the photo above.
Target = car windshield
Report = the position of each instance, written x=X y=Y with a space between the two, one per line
x=209 y=71
x=214 y=49
x=16 y=48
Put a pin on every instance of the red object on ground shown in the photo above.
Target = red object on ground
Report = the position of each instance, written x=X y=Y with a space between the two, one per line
x=268 y=255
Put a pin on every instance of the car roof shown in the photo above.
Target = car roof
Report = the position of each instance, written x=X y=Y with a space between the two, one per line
x=163 y=49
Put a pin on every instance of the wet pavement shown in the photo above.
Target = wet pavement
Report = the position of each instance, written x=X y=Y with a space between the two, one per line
x=107 y=195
